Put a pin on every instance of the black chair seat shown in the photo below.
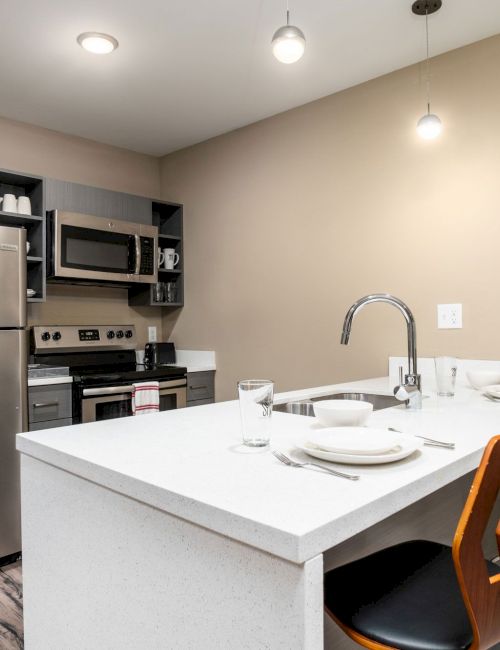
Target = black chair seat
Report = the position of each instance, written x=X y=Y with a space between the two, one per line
x=406 y=596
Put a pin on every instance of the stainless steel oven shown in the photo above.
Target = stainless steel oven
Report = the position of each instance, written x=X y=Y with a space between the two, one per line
x=101 y=361
x=84 y=248
x=108 y=402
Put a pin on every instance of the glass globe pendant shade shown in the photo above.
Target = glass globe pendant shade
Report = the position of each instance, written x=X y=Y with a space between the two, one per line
x=288 y=44
x=429 y=126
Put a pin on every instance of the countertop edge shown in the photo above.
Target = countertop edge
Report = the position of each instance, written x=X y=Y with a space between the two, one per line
x=279 y=543
x=289 y=546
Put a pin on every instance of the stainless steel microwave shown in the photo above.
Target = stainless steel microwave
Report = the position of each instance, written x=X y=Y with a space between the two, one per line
x=93 y=250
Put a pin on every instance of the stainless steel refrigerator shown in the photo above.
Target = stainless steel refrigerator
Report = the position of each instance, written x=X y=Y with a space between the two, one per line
x=13 y=381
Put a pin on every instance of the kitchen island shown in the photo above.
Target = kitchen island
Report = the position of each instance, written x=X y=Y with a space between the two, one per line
x=164 y=532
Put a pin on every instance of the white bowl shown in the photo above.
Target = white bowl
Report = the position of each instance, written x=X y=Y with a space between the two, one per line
x=480 y=378
x=342 y=412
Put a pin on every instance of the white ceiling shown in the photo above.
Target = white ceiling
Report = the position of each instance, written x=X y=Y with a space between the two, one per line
x=188 y=70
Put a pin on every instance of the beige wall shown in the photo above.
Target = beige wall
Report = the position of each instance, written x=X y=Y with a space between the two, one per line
x=34 y=150
x=289 y=220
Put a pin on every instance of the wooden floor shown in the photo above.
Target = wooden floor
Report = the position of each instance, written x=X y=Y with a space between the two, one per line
x=11 y=607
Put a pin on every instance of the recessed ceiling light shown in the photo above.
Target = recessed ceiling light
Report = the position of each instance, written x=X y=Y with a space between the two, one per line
x=97 y=43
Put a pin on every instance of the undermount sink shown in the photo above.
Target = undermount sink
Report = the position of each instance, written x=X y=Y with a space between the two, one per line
x=305 y=406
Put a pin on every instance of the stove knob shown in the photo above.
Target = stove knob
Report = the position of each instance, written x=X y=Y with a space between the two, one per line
x=110 y=334
x=56 y=336
x=119 y=334
x=45 y=336
x=129 y=334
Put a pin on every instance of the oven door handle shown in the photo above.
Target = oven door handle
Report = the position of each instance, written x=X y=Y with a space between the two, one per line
x=116 y=390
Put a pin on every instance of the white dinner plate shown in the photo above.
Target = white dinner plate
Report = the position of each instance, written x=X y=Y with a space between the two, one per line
x=364 y=441
x=407 y=445
x=493 y=390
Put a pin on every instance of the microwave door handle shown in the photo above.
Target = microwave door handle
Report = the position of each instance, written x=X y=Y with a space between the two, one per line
x=137 y=269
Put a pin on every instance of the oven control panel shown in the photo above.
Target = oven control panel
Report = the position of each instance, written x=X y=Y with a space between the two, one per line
x=89 y=335
x=75 y=337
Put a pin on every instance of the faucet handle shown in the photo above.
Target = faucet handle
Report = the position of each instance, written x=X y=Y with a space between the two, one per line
x=400 y=375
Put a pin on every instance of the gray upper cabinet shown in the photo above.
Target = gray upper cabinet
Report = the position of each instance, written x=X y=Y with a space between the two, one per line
x=72 y=197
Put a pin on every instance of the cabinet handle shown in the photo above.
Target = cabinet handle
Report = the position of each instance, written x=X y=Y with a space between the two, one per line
x=197 y=387
x=42 y=404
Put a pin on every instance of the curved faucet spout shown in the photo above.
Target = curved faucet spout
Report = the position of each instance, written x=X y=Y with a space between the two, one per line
x=412 y=377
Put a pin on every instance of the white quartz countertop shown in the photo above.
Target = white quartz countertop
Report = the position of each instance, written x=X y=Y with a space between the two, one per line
x=190 y=463
x=47 y=381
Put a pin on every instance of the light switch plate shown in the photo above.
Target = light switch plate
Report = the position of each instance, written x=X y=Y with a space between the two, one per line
x=449 y=316
x=152 y=334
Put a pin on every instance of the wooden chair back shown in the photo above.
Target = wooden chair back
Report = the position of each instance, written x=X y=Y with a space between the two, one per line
x=481 y=593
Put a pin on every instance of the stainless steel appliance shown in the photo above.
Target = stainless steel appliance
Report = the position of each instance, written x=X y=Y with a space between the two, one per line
x=159 y=354
x=13 y=382
x=101 y=359
x=93 y=250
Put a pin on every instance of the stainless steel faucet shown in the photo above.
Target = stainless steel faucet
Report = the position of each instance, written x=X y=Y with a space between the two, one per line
x=409 y=388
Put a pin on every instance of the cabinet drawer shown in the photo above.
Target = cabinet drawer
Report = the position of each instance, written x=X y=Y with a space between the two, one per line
x=200 y=402
x=49 y=402
x=50 y=424
x=200 y=385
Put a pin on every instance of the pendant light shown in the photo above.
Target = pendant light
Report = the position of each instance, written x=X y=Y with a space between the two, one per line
x=429 y=125
x=288 y=42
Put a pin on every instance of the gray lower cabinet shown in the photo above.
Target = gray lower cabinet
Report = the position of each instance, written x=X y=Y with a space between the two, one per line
x=200 y=387
x=51 y=424
x=49 y=406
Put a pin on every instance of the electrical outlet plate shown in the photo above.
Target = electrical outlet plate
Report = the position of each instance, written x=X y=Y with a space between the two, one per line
x=152 y=334
x=449 y=316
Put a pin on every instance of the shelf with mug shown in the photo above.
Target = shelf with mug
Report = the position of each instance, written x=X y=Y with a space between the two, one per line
x=168 y=218
x=21 y=193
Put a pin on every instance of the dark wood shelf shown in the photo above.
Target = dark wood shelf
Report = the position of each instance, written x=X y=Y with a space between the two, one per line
x=15 y=219
x=170 y=271
x=171 y=237
x=168 y=304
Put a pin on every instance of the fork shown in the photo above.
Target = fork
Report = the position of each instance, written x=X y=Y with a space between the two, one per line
x=292 y=463
x=430 y=442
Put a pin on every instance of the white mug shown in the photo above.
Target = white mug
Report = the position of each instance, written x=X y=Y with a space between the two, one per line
x=168 y=258
x=9 y=203
x=24 y=205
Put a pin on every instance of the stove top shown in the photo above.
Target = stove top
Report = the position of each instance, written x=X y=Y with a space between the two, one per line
x=126 y=374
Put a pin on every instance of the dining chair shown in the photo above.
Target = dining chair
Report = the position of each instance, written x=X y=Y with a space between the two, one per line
x=421 y=595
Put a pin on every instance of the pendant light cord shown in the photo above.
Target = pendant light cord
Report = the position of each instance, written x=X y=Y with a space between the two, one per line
x=287 y=13
x=428 y=67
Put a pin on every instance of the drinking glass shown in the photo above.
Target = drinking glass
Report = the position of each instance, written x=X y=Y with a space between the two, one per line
x=159 y=292
x=256 y=407
x=446 y=374
x=170 y=292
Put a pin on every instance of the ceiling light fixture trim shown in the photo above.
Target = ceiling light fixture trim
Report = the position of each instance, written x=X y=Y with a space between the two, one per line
x=97 y=42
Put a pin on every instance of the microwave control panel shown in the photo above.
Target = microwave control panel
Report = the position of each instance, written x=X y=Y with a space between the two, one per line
x=147 y=256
